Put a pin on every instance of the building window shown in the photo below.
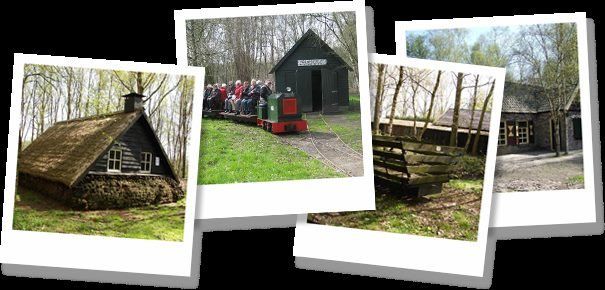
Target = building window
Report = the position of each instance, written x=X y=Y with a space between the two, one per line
x=522 y=135
x=502 y=134
x=577 y=128
x=146 y=162
x=114 y=160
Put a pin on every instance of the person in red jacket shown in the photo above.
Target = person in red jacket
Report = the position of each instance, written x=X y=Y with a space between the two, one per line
x=237 y=94
x=223 y=93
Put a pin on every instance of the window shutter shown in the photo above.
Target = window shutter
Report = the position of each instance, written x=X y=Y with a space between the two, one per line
x=530 y=131
x=511 y=133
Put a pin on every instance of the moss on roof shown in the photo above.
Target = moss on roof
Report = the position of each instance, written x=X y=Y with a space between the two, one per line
x=65 y=151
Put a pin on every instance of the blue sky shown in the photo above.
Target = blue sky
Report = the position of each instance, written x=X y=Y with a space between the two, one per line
x=473 y=33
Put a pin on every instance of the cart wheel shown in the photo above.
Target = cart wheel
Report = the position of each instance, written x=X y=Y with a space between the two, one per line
x=269 y=127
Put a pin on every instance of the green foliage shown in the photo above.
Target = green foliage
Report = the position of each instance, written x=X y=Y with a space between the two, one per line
x=416 y=46
x=469 y=167
x=451 y=214
x=35 y=212
x=236 y=153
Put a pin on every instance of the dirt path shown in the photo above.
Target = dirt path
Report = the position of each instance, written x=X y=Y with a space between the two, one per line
x=329 y=149
x=538 y=171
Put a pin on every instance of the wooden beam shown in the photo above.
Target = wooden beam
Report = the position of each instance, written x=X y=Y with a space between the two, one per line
x=429 y=168
x=416 y=179
x=418 y=158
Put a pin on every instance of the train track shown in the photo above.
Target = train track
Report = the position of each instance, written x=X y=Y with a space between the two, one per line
x=359 y=155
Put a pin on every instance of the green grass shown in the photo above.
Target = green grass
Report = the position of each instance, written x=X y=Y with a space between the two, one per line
x=236 y=153
x=474 y=185
x=35 y=212
x=577 y=179
x=354 y=103
x=346 y=125
x=452 y=214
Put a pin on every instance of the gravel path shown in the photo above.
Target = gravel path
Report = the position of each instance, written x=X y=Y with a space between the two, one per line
x=329 y=149
x=538 y=171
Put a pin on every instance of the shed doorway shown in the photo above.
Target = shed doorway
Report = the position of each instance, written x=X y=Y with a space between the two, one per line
x=316 y=91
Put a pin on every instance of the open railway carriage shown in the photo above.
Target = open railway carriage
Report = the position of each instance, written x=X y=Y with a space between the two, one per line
x=412 y=166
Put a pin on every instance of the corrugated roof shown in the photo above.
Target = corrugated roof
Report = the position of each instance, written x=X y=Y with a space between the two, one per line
x=464 y=119
x=65 y=151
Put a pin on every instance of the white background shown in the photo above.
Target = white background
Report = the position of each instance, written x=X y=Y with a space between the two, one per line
x=95 y=252
x=538 y=207
x=300 y=196
x=410 y=251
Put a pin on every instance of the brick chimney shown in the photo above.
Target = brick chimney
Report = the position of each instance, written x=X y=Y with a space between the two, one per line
x=133 y=102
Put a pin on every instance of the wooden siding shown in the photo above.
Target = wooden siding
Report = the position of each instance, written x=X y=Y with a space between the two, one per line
x=139 y=138
x=289 y=74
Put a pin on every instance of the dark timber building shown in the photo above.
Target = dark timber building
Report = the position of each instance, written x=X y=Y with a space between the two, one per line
x=105 y=161
x=316 y=74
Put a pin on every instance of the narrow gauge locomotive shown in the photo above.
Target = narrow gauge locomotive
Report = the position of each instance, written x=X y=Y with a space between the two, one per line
x=279 y=114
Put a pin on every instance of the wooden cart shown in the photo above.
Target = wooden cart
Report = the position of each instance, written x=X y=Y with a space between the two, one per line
x=412 y=166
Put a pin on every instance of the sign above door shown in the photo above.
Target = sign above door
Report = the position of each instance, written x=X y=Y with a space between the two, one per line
x=312 y=62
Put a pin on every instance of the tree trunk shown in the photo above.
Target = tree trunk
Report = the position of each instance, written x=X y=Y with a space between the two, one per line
x=454 y=133
x=378 y=100
x=478 y=135
x=430 y=113
x=394 y=104
x=557 y=136
x=470 y=124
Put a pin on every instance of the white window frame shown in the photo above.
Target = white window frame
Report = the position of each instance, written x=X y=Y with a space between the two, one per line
x=146 y=161
x=526 y=133
x=114 y=159
x=503 y=124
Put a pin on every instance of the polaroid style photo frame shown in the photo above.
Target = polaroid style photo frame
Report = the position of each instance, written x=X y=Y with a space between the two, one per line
x=416 y=234
x=93 y=182
x=537 y=193
x=324 y=165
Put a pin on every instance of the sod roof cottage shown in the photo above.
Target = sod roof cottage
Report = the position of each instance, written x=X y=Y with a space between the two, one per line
x=526 y=124
x=106 y=161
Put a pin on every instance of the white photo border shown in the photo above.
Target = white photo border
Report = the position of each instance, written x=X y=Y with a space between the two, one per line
x=102 y=253
x=295 y=196
x=406 y=251
x=535 y=208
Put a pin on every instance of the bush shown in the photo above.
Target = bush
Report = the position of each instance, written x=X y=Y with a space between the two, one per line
x=469 y=167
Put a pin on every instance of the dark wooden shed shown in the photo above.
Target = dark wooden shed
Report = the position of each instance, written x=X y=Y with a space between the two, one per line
x=315 y=72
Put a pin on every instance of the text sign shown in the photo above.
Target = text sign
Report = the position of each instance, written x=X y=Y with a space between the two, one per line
x=312 y=62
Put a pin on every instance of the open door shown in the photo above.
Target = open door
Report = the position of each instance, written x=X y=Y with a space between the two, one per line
x=304 y=90
x=329 y=82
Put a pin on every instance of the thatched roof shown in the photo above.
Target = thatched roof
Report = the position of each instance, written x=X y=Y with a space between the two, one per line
x=65 y=152
x=464 y=119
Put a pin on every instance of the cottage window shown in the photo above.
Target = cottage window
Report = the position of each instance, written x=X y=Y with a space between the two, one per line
x=502 y=134
x=522 y=132
x=146 y=162
x=114 y=160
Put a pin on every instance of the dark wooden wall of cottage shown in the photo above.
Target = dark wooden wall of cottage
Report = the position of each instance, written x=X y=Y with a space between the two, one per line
x=289 y=74
x=139 y=138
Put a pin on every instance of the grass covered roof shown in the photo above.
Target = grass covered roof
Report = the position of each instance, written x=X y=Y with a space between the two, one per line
x=65 y=152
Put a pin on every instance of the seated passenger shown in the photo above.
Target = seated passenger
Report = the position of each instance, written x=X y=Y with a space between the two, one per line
x=206 y=99
x=247 y=97
x=213 y=100
x=237 y=94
